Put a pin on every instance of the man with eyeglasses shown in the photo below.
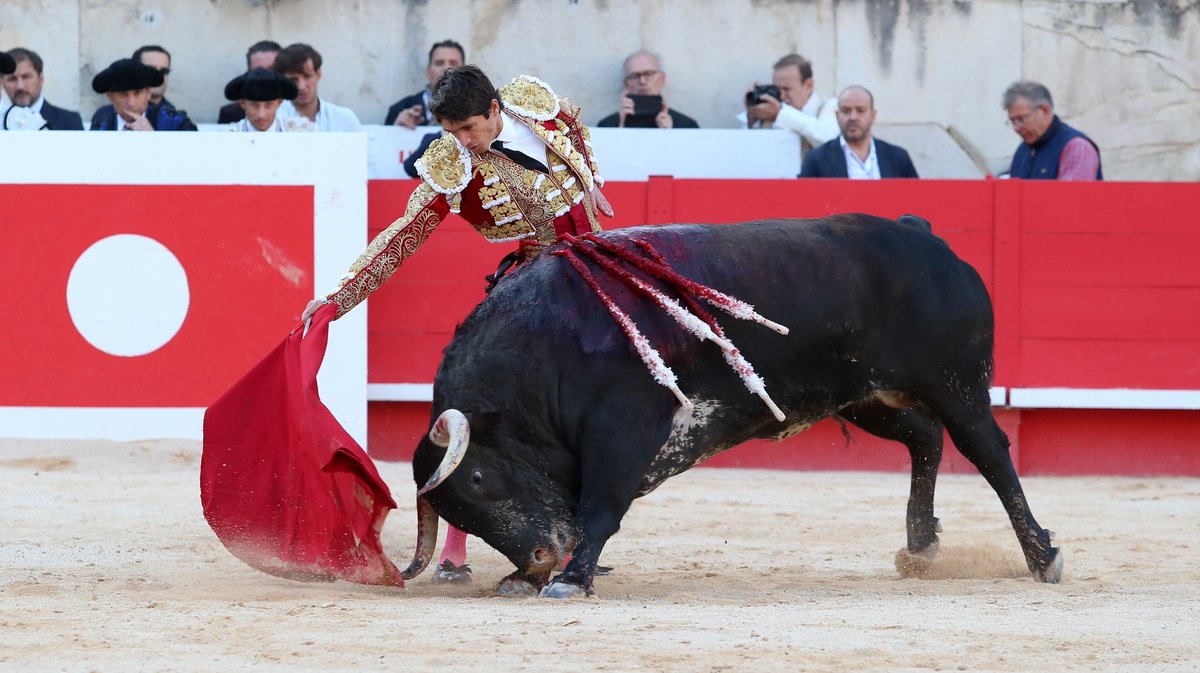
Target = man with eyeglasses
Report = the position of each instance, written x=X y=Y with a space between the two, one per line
x=1051 y=149
x=642 y=104
x=159 y=114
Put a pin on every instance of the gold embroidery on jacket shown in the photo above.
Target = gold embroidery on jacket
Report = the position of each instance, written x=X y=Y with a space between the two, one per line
x=445 y=166
x=530 y=97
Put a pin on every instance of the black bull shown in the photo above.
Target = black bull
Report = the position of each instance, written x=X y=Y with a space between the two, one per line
x=890 y=331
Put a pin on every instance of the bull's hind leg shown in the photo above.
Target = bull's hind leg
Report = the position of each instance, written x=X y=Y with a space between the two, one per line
x=977 y=436
x=921 y=432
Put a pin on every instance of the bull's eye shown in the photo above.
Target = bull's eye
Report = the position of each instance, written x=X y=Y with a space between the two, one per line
x=476 y=477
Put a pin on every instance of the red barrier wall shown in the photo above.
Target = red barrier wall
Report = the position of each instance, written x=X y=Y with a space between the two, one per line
x=1093 y=287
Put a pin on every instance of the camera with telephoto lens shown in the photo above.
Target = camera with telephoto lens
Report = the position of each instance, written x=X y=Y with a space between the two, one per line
x=756 y=96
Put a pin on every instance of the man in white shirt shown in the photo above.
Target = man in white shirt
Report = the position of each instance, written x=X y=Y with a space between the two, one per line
x=302 y=64
x=260 y=92
x=798 y=108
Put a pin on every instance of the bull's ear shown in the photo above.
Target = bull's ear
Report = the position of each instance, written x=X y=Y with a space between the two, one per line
x=484 y=423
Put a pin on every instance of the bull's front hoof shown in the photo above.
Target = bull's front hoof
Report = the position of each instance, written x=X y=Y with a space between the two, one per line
x=516 y=586
x=565 y=590
x=448 y=572
x=1052 y=573
x=915 y=564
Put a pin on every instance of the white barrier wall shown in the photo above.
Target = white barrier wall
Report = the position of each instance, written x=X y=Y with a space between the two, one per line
x=145 y=273
x=635 y=154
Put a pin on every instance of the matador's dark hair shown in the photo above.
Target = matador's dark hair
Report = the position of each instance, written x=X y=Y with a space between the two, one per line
x=461 y=93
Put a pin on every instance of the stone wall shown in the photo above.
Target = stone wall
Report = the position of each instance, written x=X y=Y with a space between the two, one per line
x=1127 y=72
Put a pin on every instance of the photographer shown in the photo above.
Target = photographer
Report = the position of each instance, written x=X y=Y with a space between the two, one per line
x=793 y=104
x=642 y=104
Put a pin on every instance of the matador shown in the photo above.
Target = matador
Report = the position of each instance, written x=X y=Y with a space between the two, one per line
x=517 y=164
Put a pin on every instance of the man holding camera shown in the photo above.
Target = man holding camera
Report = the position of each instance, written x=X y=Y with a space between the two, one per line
x=791 y=103
x=642 y=104
x=413 y=111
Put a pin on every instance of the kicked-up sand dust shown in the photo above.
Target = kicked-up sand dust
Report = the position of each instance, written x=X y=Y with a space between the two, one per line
x=107 y=565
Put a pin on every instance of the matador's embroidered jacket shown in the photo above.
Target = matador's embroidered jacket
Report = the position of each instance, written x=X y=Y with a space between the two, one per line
x=501 y=199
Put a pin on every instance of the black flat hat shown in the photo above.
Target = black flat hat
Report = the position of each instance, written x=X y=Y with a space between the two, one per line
x=126 y=74
x=261 y=84
x=7 y=64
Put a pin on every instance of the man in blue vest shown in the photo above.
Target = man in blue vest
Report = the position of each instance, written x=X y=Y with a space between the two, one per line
x=1051 y=150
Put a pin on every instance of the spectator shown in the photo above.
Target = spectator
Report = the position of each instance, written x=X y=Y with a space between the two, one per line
x=798 y=108
x=128 y=85
x=158 y=58
x=162 y=115
x=1051 y=149
x=413 y=111
x=644 y=76
x=855 y=153
x=308 y=111
x=500 y=168
x=410 y=163
x=24 y=89
x=7 y=65
x=259 y=55
x=260 y=92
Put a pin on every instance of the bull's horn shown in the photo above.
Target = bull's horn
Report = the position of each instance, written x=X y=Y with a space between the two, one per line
x=452 y=432
x=427 y=530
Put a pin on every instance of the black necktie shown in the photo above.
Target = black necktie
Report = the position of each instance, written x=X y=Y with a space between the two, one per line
x=520 y=157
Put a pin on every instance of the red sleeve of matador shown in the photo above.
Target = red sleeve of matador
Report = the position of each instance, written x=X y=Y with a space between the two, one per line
x=426 y=209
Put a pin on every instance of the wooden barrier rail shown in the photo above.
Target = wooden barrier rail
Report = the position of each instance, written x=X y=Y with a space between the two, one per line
x=1094 y=285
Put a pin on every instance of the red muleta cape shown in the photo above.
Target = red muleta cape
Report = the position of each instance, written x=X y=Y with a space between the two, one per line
x=284 y=486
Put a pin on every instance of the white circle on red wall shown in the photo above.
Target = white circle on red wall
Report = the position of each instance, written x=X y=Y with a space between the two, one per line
x=127 y=295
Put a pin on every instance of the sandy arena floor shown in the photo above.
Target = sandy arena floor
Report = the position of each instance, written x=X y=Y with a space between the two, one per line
x=107 y=564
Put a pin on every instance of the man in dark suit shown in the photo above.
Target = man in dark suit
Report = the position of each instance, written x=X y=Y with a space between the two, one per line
x=24 y=88
x=413 y=111
x=161 y=114
x=855 y=153
x=128 y=84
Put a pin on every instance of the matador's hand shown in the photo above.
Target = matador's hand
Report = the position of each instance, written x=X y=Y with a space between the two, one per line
x=602 y=203
x=312 y=308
